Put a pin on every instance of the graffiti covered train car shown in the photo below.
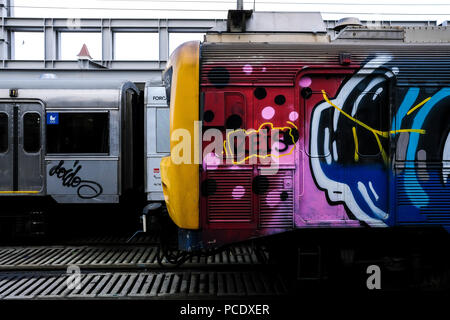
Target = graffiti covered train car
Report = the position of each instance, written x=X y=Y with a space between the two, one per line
x=283 y=129
x=282 y=134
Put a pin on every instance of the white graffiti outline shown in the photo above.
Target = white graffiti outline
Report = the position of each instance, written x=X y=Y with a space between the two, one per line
x=333 y=188
x=445 y=158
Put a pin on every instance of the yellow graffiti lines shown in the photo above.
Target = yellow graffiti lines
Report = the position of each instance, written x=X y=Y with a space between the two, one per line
x=228 y=150
x=355 y=138
x=418 y=106
x=292 y=124
x=376 y=133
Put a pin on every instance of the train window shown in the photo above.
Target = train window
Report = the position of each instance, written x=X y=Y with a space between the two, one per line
x=3 y=132
x=79 y=133
x=32 y=132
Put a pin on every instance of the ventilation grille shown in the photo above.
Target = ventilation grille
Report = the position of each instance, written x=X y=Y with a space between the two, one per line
x=277 y=63
x=277 y=205
x=231 y=201
x=426 y=186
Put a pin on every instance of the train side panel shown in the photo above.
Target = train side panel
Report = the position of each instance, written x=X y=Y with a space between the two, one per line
x=308 y=140
x=421 y=164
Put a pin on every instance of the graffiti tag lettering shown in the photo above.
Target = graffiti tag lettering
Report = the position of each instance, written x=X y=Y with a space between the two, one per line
x=85 y=189
x=289 y=134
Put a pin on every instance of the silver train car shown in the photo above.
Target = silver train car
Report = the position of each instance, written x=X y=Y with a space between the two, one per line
x=80 y=142
x=72 y=140
x=157 y=138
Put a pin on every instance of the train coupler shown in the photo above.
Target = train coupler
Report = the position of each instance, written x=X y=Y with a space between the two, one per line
x=149 y=213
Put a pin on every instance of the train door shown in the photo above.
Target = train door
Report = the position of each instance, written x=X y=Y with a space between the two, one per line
x=21 y=149
x=347 y=120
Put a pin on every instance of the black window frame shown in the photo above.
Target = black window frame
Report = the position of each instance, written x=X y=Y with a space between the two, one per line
x=34 y=134
x=6 y=149
x=49 y=149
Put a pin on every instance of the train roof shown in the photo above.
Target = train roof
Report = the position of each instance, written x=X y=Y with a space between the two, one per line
x=412 y=64
x=68 y=93
x=63 y=84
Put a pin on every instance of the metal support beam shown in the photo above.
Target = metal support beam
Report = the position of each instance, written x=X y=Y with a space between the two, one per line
x=5 y=44
x=240 y=5
x=107 y=41
x=179 y=25
x=6 y=7
x=163 y=32
x=52 y=28
x=5 y=34
x=50 y=41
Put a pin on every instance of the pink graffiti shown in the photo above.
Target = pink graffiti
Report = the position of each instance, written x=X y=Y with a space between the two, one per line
x=268 y=113
x=211 y=161
x=247 y=69
x=238 y=192
x=293 y=116
x=305 y=82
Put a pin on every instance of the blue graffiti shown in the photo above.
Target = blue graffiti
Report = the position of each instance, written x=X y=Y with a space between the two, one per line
x=368 y=184
x=414 y=188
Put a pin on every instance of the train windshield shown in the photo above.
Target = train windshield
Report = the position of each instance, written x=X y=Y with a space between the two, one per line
x=167 y=78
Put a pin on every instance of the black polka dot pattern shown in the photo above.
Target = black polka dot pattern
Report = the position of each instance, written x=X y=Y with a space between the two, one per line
x=208 y=116
x=290 y=138
x=260 y=185
x=306 y=93
x=280 y=100
x=234 y=122
x=260 y=93
x=219 y=77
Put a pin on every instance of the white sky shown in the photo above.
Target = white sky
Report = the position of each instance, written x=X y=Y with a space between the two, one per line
x=144 y=47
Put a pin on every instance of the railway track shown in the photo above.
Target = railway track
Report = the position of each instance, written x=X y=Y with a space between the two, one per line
x=132 y=272
x=141 y=285
x=114 y=257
